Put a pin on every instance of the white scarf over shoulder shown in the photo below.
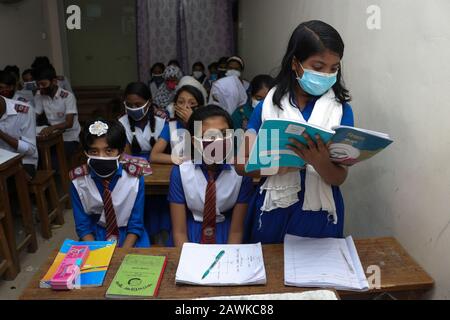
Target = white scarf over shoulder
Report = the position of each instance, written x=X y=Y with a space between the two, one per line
x=282 y=190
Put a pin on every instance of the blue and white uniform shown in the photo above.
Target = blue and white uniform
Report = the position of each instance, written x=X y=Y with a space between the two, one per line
x=127 y=192
x=188 y=184
x=271 y=227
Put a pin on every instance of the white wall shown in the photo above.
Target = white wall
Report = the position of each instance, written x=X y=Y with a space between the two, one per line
x=23 y=26
x=399 y=80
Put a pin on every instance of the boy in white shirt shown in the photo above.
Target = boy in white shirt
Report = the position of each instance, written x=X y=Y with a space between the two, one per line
x=59 y=106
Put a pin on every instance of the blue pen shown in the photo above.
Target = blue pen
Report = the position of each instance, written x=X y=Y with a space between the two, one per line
x=220 y=255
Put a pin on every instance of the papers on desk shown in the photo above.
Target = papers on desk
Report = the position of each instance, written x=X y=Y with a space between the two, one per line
x=307 y=295
x=207 y=265
x=323 y=263
x=6 y=155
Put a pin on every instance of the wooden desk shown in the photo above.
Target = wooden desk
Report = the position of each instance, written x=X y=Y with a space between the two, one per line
x=398 y=273
x=13 y=169
x=45 y=144
x=5 y=252
x=158 y=182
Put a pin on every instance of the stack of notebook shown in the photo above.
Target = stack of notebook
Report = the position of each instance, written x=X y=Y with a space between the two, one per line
x=323 y=263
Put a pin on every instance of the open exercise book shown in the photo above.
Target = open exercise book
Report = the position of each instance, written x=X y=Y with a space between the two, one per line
x=221 y=265
x=6 y=155
x=323 y=263
x=348 y=145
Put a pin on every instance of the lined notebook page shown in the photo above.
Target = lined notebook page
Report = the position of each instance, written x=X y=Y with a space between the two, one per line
x=240 y=265
x=323 y=263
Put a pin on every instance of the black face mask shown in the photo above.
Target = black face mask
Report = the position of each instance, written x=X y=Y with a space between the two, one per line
x=104 y=167
x=159 y=80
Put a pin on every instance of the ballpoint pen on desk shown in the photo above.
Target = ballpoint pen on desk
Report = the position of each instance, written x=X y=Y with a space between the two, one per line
x=220 y=255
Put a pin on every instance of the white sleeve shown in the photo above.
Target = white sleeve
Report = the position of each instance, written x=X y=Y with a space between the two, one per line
x=71 y=104
x=27 y=141
x=38 y=106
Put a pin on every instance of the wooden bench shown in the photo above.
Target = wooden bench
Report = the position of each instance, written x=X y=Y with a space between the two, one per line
x=12 y=169
x=5 y=253
x=400 y=275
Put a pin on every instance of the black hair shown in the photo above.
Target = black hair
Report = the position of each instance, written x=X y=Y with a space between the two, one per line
x=223 y=60
x=213 y=65
x=7 y=78
x=142 y=90
x=14 y=70
x=156 y=65
x=308 y=39
x=193 y=91
x=115 y=137
x=27 y=71
x=198 y=64
x=174 y=62
x=44 y=73
x=260 y=82
x=201 y=114
x=40 y=62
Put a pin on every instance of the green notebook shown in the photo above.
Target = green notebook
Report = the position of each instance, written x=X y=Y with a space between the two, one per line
x=139 y=276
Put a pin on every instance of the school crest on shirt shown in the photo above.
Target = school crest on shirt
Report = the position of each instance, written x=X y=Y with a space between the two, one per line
x=63 y=94
x=79 y=172
x=21 y=108
x=133 y=169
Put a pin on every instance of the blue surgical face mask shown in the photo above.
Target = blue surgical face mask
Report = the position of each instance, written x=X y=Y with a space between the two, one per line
x=316 y=83
x=137 y=114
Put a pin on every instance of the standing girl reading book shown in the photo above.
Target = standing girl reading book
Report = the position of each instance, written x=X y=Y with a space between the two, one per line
x=108 y=197
x=208 y=200
x=309 y=88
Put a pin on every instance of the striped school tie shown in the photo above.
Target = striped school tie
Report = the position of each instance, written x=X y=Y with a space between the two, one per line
x=209 y=214
x=112 y=230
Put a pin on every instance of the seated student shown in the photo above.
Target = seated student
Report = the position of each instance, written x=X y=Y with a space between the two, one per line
x=213 y=76
x=42 y=62
x=8 y=89
x=108 y=197
x=60 y=108
x=18 y=132
x=260 y=87
x=228 y=93
x=156 y=77
x=142 y=127
x=222 y=67
x=198 y=72
x=235 y=67
x=308 y=88
x=28 y=81
x=187 y=98
x=219 y=218
x=166 y=92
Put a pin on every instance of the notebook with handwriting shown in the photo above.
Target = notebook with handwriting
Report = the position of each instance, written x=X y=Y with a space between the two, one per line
x=323 y=263
x=221 y=265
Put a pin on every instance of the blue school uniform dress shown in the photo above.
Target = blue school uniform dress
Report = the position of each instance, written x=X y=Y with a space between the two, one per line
x=155 y=206
x=271 y=227
x=188 y=186
x=127 y=192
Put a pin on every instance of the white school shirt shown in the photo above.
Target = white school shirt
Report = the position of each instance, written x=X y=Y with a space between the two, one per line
x=24 y=96
x=143 y=138
x=56 y=110
x=228 y=186
x=19 y=121
x=123 y=197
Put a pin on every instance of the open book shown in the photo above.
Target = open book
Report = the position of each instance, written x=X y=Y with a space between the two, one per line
x=348 y=145
x=323 y=263
x=221 y=265
x=6 y=155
